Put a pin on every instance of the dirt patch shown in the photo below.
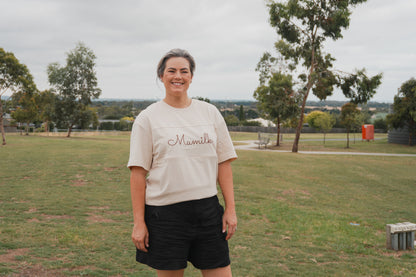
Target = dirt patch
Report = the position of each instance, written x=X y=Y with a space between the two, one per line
x=10 y=256
x=118 y=213
x=35 y=271
x=109 y=169
x=49 y=217
x=99 y=208
x=32 y=210
x=93 y=218
x=79 y=182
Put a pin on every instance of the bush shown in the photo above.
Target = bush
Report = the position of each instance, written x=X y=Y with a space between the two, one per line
x=381 y=123
x=250 y=123
x=106 y=126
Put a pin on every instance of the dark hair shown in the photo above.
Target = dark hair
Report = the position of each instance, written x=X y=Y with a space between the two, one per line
x=175 y=53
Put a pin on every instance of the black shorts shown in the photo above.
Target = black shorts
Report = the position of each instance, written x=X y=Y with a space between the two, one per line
x=185 y=231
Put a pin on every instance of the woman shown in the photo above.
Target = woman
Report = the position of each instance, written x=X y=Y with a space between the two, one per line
x=180 y=147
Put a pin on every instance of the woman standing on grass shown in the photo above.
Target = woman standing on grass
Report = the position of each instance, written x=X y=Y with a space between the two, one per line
x=180 y=147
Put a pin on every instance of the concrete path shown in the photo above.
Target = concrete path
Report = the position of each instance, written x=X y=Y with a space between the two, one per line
x=250 y=145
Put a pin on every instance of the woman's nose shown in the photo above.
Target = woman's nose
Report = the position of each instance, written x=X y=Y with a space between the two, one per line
x=177 y=74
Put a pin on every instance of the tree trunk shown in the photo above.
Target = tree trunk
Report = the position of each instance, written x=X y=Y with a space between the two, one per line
x=278 y=132
x=308 y=89
x=300 y=124
x=1 y=123
x=47 y=127
x=348 y=138
x=69 y=131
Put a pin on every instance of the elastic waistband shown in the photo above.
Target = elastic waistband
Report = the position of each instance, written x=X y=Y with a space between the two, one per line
x=189 y=202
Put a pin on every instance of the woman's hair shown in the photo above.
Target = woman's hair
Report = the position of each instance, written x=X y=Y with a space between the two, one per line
x=175 y=53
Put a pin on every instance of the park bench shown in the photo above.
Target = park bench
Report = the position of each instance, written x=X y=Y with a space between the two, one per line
x=263 y=139
x=400 y=236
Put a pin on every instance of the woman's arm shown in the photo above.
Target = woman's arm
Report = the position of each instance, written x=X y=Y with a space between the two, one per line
x=140 y=235
x=225 y=179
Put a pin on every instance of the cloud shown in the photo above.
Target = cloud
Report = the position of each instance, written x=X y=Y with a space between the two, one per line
x=227 y=39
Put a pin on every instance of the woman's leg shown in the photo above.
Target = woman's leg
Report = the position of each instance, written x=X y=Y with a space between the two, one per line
x=217 y=272
x=170 y=273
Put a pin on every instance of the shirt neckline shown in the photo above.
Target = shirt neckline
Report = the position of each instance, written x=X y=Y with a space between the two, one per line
x=179 y=109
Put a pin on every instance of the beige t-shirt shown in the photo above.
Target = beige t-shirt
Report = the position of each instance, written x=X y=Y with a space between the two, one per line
x=181 y=149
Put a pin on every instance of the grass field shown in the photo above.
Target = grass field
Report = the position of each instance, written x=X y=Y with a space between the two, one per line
x=65 y=210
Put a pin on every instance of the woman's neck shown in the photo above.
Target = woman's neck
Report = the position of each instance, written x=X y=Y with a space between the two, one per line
x=180 y=102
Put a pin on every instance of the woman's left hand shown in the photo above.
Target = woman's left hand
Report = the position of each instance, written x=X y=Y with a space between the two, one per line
x=229 y=219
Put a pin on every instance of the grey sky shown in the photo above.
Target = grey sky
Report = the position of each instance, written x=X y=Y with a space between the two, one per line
x=226 y=37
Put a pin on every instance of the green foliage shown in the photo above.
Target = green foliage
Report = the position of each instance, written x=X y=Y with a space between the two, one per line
x=14 y=76
x=231 y=120
x=321 y=121
x=46 y=104
x=404 y=108
x=381 y=123
x=303 y=27
x=359 y=87
x=241 y=114
x=106 y=125
x=311 y=118
x=277 y=101
x=250 y=123
x=27 y=109
x=76 y=84
x=202 y=99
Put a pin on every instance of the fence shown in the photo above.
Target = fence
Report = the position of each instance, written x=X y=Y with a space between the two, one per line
x=257 y=129
x=400 y=136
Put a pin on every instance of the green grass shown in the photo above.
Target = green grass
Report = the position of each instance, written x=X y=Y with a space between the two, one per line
x=65 y=210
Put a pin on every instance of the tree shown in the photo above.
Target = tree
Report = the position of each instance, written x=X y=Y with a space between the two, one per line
x=231 y=120
x=312 y=117
x=13 y=76
x=46 y=104
x=241 y=114
x=324 y=123
x=349 y=118
x=26 y=108
x=404 y=109
x=303 y=26
x=276 y=101
x=76 y=84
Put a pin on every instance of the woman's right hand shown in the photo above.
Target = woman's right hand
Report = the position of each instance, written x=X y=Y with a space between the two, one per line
x=140 y=237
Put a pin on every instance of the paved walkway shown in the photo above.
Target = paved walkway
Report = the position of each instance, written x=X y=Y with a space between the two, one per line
x=250 y=145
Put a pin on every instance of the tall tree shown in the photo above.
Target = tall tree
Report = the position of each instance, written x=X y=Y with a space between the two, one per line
x=76 y=84
x=350 y=118
x=13 y=76
x=303 y=26
x=276 y=100
x=241 y=114
x=404 y=109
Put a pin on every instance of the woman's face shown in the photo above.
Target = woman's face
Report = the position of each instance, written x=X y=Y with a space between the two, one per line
x=177 y=77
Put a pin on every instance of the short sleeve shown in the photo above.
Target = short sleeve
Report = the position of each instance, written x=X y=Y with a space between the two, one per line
x=141 y=145
x=225 y=147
